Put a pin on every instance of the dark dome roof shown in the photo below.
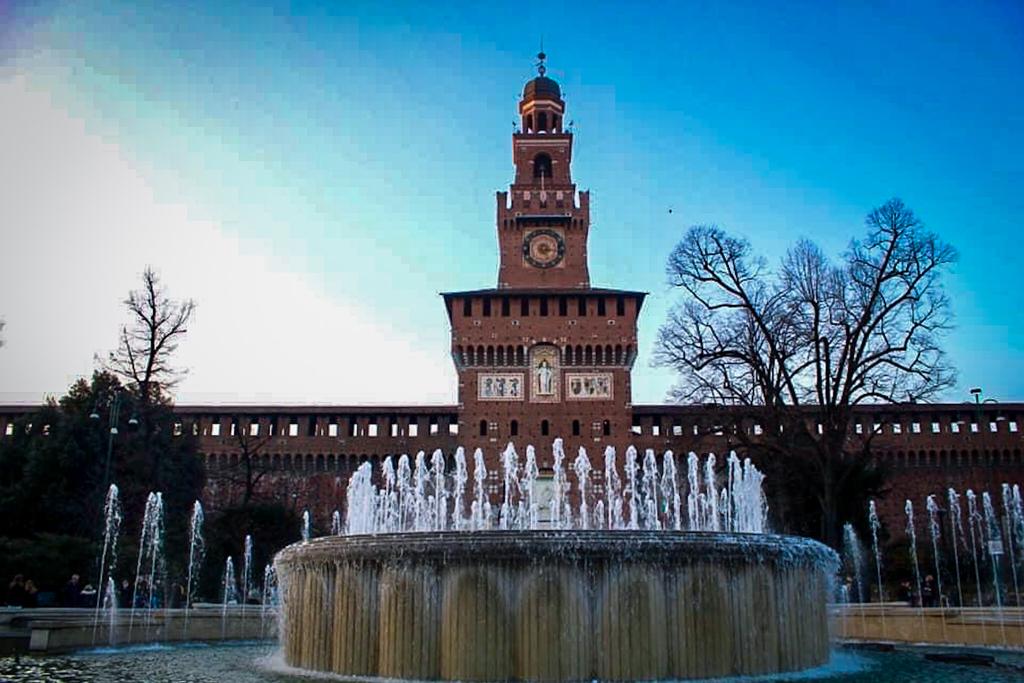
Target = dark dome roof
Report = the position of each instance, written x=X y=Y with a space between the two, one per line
x=540 y=87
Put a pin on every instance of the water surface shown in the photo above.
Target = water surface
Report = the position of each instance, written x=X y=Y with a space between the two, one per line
x=256 y=663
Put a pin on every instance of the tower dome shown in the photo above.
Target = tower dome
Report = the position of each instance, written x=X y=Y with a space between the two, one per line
x=542 y=107
x=542 y=87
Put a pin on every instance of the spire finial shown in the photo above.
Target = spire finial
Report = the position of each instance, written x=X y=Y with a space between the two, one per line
x=541 y=69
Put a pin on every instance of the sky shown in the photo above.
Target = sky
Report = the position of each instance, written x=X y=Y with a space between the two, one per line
x=313 y=177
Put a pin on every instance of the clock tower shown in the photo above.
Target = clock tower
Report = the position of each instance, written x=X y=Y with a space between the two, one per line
x=542 y=229
x=543 y=355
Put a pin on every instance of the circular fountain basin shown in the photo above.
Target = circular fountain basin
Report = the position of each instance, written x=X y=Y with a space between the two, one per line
x=555 y=605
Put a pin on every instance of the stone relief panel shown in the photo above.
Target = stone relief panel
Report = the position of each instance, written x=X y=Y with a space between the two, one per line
x=544 y=374
x=589 y=386
x=500 y=386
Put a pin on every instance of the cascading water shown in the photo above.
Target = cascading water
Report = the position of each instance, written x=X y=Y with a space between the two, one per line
x=711 y=494
x=408 y=502
x=631 y=489
x=559 y=504
x=875 y=525
x=461 y=478
x=956 y=530
x=481 y=502
x=649 y=492
x=529 y=512
x=230 y=591
x=1010 y=542
x=246 y=583
x=422 y=508
x=108 y=557
x=437 y=471
x=510 y=466
x=670 y=492
x=693 y=498
x=855 y=561
x=1015 y=535
x=612 y=490
x=196 y=554
x=582 y=468
x=110 y=609
x=995 y=550
x=912 y=535
x=973 y=520
x=268 y=598
x=433 y=623
x=336 y=523
x=150 y=558
x=933 y=530
x=307 y=525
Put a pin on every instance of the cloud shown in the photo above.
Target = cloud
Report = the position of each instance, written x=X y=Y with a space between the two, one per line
x=80 y=219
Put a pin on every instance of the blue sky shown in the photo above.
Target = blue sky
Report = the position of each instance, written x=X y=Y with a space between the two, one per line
x=313 y=178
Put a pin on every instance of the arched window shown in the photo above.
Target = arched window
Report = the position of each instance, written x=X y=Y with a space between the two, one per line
x=544 y=428
x=542 y=121
x=542 y=164
x=575 y=427
x=483 y=427
x=606 y=428
x=513 y=428
x=528 y=123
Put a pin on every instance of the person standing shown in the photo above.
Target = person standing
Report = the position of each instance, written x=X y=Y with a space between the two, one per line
x=929 y=592
x=124 y=594
x=72 y=594
x=16 y=591
x=31 y=594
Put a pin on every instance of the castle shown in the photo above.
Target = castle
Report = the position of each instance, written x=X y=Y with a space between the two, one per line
x=543 y=354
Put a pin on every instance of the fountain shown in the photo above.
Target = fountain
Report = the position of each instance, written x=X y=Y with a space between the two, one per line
x=956 y=525
x=573 y=591
x=230 y=591
x=108 y=556
x=196 y=553
x=855 y=561
x=151 y=544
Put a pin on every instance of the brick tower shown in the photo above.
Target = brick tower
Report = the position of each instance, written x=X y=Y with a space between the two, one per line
x=543 y=354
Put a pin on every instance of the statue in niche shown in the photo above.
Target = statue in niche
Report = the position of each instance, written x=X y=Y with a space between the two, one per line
x=545 y=378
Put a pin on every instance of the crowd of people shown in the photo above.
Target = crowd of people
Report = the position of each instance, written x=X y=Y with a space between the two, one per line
x=927 y=597
x=22 y=592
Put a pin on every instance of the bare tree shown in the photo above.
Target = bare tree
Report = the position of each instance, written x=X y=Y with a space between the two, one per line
x=799 y=348
x=251 y=467
x=148 y=342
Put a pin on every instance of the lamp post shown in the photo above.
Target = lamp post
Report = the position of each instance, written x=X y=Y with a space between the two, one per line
x=978 y=404
x=112 y=420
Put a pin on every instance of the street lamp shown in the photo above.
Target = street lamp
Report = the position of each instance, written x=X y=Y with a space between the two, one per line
x=112 y=420
x=978 y=403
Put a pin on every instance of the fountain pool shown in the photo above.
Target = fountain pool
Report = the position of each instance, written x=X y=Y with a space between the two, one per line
x=432 y=580
x=564 y=605
x=251 y=663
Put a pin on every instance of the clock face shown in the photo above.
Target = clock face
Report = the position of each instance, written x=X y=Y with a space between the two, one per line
x=543 y=248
